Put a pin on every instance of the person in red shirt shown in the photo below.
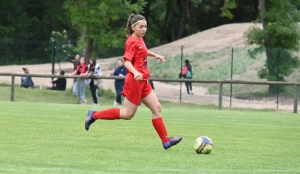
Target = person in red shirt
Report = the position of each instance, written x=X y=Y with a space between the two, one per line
x=137 y=87
x=82 y=70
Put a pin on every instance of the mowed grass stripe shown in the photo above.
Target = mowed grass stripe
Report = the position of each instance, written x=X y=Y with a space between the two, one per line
x=50 y=138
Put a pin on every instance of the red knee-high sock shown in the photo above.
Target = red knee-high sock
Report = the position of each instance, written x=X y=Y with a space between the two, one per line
x=160 y=128
x=108 y=114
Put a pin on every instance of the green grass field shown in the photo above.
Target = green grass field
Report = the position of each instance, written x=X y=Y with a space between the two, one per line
x=50 y=138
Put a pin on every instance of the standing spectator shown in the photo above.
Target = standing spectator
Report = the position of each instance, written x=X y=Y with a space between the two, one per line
x=75 y=61
x=58 y=84
x=26 y=81
x=119 y=84
x=186 y=72
x=81 y=69
x=94 y=70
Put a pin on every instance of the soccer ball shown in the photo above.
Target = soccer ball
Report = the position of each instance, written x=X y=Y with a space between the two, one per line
x=203 y=145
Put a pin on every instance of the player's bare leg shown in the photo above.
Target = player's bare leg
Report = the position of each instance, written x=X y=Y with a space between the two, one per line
x=129 y=110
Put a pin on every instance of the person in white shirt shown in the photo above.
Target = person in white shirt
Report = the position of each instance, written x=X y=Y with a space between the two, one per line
x=94 y=70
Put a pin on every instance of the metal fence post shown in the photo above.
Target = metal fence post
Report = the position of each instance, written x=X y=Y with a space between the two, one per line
x=12 y=91
x=296 y=99
x=220 y=94
x=53 y=56
x=78 y=90
x=231 y=72
x=180 y=94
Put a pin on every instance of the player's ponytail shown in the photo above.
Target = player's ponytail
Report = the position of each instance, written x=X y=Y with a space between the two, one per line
x=132 y=21
x=128 y=25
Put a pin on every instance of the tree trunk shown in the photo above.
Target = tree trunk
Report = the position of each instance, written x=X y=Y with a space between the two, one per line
x=89 y=49
x=173 y=24
x=267 y=39
x=166 y=27
x=193 y=19
x=271 y=72
x=146 y=13
x=262 y=9
x=181 y=15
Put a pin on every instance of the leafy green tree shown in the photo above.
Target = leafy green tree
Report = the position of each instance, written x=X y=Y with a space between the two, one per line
x=101 y=22
x=170 y=20
x=279 y=38
x=63 y=45
x=26 y=26
x=228 y=5
x=14 y=23
x=180 y=18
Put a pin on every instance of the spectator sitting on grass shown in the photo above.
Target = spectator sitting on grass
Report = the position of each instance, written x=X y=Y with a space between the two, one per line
x=58 y=84
x=26 y=81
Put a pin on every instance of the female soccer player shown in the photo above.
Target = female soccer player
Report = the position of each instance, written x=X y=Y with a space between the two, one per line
x=137 y=87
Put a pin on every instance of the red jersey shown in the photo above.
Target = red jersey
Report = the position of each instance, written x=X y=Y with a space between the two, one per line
x=136 y=52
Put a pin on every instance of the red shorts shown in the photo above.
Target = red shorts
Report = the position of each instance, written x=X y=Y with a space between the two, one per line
x=135 y=90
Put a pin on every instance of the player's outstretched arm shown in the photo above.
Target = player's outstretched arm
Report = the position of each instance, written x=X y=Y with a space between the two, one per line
x=152 y=54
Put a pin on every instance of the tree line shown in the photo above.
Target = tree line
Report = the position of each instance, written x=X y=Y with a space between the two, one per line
x=26 y=27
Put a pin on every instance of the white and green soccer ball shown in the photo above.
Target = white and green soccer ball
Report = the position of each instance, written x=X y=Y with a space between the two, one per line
x=203 y=145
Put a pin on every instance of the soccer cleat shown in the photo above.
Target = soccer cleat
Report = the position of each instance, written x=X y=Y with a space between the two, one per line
x=171 y=142
x=89 y=119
